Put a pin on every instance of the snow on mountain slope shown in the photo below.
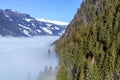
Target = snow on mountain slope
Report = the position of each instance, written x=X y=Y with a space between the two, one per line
x=52 y=21
x=47 y=30
x=13 y=23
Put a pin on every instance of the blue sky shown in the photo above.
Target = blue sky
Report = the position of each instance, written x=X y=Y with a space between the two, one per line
x=61 y=10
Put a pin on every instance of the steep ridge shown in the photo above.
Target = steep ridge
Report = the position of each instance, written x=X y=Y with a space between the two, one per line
x=90 y=47
x=13 y=23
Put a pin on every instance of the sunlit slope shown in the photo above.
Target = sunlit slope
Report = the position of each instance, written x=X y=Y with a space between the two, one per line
x=90 y=47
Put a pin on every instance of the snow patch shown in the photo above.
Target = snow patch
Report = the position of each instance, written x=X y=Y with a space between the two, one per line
x=61 y=33
x=13 y=10
x=52 y=28
x=20 y=29
x=28 y=20
x=57 y=28
x=7 y=16
x=38 y=30
x=49 y=25
x=33 y=25
x=24 y=26
x=47 y=30
x=26 y=32
x=52 y=21
x=10 y=19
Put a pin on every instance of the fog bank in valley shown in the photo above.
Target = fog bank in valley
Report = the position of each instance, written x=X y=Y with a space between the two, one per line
x=25 y=58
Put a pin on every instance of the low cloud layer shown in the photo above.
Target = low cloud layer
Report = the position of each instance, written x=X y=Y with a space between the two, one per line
x=24 y=57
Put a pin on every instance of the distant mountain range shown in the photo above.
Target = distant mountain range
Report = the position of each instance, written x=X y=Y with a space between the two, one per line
x=13 y=23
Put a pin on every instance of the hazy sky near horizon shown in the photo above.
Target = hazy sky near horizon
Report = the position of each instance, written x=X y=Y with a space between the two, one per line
x=61 y=10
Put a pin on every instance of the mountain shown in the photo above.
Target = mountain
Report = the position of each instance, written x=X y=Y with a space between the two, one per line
x=13 y=23
x=90 y=47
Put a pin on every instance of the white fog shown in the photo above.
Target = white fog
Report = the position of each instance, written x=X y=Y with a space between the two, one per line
x=25 y=58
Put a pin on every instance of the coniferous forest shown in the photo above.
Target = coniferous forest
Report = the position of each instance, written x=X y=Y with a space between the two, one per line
x=90 y=47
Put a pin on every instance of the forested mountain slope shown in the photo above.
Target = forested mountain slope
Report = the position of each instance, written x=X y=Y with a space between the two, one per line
x=90 y=47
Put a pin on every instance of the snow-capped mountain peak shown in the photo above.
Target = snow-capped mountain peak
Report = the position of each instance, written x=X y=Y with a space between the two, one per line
x=14 y=23
x=53 y=21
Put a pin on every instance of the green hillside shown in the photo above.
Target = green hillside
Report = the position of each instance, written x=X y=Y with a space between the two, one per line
x=90 y=47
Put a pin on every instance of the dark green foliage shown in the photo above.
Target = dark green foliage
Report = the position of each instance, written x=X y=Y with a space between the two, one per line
x=92 y=42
